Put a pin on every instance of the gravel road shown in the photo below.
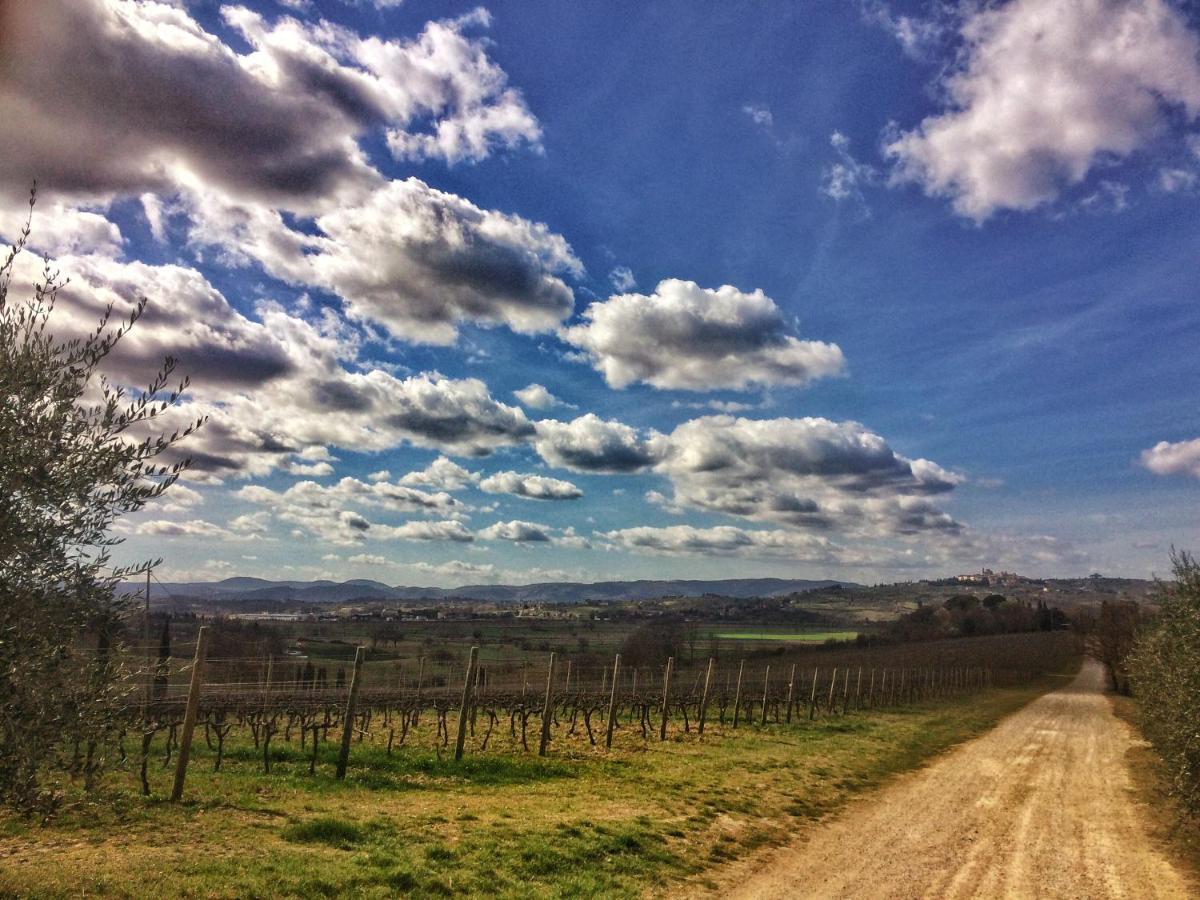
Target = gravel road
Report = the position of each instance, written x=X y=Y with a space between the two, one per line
x=1041 y=806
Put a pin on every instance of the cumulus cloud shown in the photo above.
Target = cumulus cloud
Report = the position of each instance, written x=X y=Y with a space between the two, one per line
x=1178 y=458
x=367 y=559
x=310 y=470
x=687 y=337
x=808 y=473
x=516 y=531
x=186 y=317
x=251 y=523
x=309 y=496
x=421 y=530
x=192 y=529
x=178 y=499
x=331 y=512
x=314 y=400
x=622 y=279
x=723 y=540
x=419 y=261
x=591 y=444
x=435 y=411
x=537 y=396
x=532 y=487
x=458 y=569
x=274 y=174
x=363 y=411
x=442 y=474
x=292 y=107
x=1042 y=92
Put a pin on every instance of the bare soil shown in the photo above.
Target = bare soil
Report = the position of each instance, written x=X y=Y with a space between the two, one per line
x=1041 y=806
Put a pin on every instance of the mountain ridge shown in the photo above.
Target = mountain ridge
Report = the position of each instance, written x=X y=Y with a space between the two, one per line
x=249 y=590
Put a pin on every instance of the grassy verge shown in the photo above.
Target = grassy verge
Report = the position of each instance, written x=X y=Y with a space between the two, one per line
x=1176 y=836
x=578 y=823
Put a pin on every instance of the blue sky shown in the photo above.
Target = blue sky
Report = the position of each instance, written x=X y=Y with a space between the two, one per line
x=959 y=242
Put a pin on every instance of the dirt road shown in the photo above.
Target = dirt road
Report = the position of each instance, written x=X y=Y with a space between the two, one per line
x=1038 y=807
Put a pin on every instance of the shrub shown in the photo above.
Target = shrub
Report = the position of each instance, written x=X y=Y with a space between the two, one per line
x=1165 y=664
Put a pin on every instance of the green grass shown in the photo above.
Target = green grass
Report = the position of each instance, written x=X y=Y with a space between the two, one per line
x=804 y=637
x=578 y=823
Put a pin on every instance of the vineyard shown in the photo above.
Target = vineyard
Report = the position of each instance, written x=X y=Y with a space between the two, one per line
x=483 y=705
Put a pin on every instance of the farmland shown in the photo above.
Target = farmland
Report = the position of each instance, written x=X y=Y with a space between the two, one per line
x=581 y=821
x=785 y=637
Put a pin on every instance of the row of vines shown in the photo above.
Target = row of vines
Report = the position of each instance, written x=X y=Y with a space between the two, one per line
x=479 y=705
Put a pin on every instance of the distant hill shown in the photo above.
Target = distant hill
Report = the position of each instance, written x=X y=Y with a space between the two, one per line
x=250 y=590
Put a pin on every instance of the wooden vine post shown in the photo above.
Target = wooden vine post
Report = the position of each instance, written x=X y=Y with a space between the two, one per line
x=612 y=703
x=766 y=692
x=666 y=708
x=704 y=696
x=351 y=703
x=829 y=702
x=737 y=694
x=464 y=709
x=812 y=700
x=189 y=716
x=790 y=693
x=547 y=709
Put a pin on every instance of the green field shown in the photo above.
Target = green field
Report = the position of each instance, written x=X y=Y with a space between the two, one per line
x=579 y=823
x=802 y=637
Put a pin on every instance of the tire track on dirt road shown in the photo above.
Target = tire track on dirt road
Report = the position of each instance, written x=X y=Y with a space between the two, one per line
x=1041 y=806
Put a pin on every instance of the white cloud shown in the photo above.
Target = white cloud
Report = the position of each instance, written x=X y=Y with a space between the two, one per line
x=537 y=396
x=193 y=528
x=451 y=78
x=310 y=470
x=419 y=261
x=1043 y=92
x=282 y=140
x=314 y=497
x=591 y=444
x=760 y=115
x=442 y=474
x=622 y=279
x=178 y=498
x=251 y=523
x=292 y=108
x=458 y=569
x=1178 y=458
x=917 y=36
x=329 y=512
x=367 y=559
x=723 y=540
x=425 y=531
x=845 y=179
x=516 y=531
x=808 y=473
x=687 y=337
x=1175 y=180
x=533 y=487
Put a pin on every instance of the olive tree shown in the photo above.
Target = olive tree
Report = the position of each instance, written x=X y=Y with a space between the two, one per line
x=1165 y=664
x=76 y=452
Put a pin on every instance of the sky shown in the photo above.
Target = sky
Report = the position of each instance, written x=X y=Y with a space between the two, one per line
x=532 y=292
